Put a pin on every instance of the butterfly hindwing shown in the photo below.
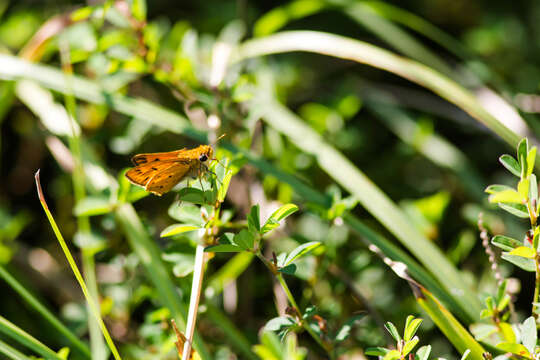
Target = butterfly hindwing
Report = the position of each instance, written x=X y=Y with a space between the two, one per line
x=165 y=180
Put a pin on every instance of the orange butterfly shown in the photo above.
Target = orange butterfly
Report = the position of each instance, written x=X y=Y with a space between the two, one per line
x=160 y=172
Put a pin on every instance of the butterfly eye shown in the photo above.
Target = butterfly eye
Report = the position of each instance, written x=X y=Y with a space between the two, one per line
x=203 y=157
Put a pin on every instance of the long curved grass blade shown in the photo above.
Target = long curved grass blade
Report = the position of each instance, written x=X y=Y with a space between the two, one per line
x=371 y=197
x=78 y=345
x=349 y=49
x=94 y=309
x=24 y=338
x=399 y=39
x=146 y=111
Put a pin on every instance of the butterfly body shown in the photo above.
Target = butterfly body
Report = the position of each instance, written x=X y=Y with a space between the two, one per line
x=160 y=172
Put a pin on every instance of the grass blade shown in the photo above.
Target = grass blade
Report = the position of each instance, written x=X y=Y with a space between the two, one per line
x=18 y=334
x=77 y=344
x=93 y=306
x=362 y=52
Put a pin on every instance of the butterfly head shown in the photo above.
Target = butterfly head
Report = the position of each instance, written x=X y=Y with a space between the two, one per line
x=206 y=153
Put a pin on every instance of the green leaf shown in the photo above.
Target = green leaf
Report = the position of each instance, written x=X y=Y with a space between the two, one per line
x=289 y=269
x=517 y=349
x=503 y=302
x=277 y=216
x=92 y=206
x=244 y=239
x=223 y=248
x=278 y=323
x=254 y=223
x=423 y=353
x=176 y=229
x=529 y=334
x=531 y=158
x=186 y=213
x=506 y=196
x=411 y=326
x=521 y=262
x=227 y=243
x=81 y=14
x=505 y=242
x=493 y=189
x=522 y=149
x=465 y=354
x=523 y=251
x=518 y=210
x=501 y=290
x=344 y=332
x=523 y=189
x=301 y=251
x=197 y=196
x=507 y=332
x=138 y=9
x=376 y=351
x=533 y=188
x=511 y=164
x=409 y=345
x=483 y=331
x=392 y=355
x=392 y=330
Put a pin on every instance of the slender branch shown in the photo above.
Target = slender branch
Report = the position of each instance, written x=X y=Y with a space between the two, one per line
x=196 y=286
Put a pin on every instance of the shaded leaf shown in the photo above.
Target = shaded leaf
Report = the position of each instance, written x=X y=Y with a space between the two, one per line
x=511 y=164
x=92 y=206
x=505 y=242
x=518 y=210
x=521 y=262
x=176 y=229
x=301 y=251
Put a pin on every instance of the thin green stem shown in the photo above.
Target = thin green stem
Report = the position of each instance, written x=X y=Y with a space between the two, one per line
x=304 y=323
x=83 y=222
x=273 y=269
x=94 y=309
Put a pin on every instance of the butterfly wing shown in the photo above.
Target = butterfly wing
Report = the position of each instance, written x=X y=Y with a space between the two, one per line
x=159 y=176
x=140 y=159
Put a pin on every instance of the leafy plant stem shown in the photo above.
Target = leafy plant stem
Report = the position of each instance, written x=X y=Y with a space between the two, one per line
x=93 y=306
x=536 y=287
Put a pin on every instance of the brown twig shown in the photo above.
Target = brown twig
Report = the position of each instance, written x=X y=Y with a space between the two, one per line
x=489 y=251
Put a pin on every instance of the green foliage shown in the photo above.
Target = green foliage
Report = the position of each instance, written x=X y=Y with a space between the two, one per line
x=93 y=84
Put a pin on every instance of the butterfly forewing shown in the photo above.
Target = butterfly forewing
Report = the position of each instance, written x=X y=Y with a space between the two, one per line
x=159 y=176
x=153 y=157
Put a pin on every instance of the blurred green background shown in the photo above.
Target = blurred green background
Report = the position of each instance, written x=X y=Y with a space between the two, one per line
x=429 y=156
